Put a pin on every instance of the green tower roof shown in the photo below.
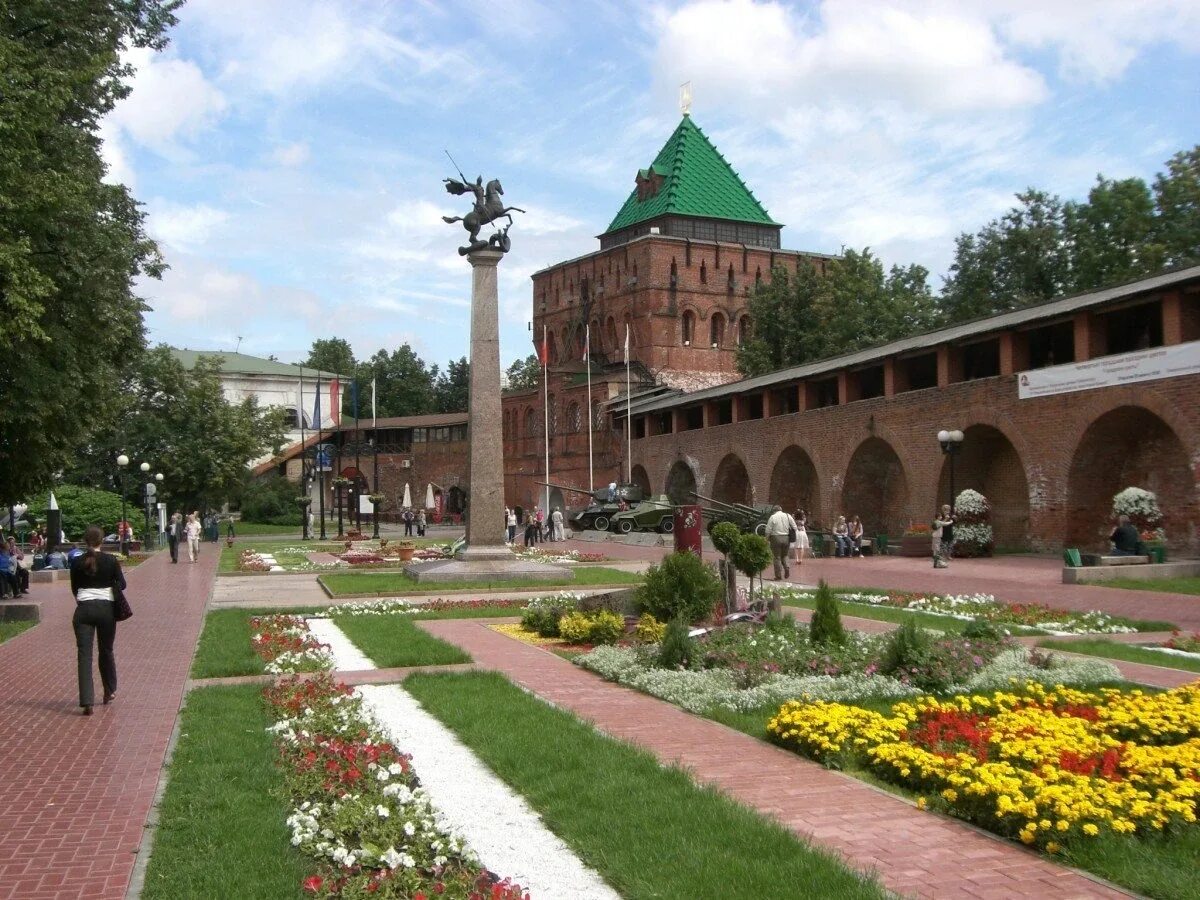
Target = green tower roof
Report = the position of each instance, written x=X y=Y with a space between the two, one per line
x=695 y=181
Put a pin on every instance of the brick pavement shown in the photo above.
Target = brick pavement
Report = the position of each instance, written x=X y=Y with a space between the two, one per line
x=913 y=852
x=77 y=790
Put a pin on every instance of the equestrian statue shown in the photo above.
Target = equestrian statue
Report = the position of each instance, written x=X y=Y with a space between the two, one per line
x=488 y=208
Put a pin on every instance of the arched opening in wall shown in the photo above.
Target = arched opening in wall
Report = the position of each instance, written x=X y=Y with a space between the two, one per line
x=642 y=480
x=611 y=331
x=1130 y=447
x=530 y=422
x=689 y=327
x=556 y=501
x=574 y=418
x=743 y=330
x=716 y=330
x=552 y=415
x=681 y=482
x=553 y=351
x=456 y=500
x=794 y=484
x=597 y=416
x=990 y=464
x=731 y=484
x=875 y=489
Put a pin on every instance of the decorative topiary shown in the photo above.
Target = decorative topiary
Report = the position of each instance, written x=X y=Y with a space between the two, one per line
x=677 y=650
x=724 y=537
x=825 y=626
x=972 y=527
x=681 y=587
x=750 y=555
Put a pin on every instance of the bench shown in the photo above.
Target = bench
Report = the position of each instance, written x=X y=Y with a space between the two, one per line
x=1098 y=559
x=48 y=576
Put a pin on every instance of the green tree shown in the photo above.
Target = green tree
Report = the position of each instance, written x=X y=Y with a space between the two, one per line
x=404 y=384
x=750 y=555
x=84 y=506
x=524 y=373
x=333 y=355
x=71 y=245
x=825 y=627
x=783 y=332
x=453 y=387
x=1177 y=204
x=1111 y=237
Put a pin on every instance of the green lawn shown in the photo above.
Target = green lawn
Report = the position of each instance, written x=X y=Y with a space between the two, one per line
x=222 y=829
x=1153 y=866
x=12 y=629
x=1127 y=652
x=1186 y=585
x=892 y=614
x=393 y=584
x=396 y=641
x=649 y=830
x=246 y=529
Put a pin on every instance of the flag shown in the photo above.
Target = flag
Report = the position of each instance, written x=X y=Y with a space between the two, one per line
x=627 y=343
x=335 y=401
x=587 y=342
x=374 y=412
x=543 y=349
x=317 y=406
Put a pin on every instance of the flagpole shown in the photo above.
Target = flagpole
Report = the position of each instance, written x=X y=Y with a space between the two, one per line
x=587 y=353
x=303 y=459
x=317 y=457
x=357 y=470
x=546 y=413
x=374 y=460
x=628 y=416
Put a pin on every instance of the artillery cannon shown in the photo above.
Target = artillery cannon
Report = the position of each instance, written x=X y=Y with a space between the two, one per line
x=746 y=517
x=599 y=512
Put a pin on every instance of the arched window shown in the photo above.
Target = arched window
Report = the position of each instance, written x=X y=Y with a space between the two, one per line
x=689 y=327
x=553 y=351
x=612 y=333
x=531 y=427
x=703 y=273
x=729 y=281
x=597 y=336
x=597 y=416
x=574 y=418
x=758 y=277
x=743 y=330
x=552 y=407
x=716 y=331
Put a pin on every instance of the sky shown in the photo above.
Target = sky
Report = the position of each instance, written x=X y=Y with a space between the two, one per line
x=290 y=153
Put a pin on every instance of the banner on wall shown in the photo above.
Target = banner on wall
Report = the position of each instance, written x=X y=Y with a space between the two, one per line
x=1111 y=371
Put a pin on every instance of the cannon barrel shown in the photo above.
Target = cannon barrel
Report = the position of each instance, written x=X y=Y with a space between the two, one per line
x=721 y=504
x=563 y=487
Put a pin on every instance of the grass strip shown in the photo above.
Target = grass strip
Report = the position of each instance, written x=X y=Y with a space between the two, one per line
x=892 y=614
x=222 y=826
x=1152 y=865
x=624 y=813
x=396 y=641
x=1181 y=585
x=1126 y=652
x=11 y=629
x=391 y=584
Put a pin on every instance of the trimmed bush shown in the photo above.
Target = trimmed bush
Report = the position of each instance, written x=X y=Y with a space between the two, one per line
x=543 y=614
x=982 y=630
x=575 y=627
x=908 y=649
x=606 y=628
x=680 y=587
x=649 y=630
x=826 y=624
x=677 y=651
x=725 y=537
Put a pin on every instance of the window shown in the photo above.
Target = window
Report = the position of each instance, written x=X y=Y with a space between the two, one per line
x=823 y=393
x=531 y=427
x=917 y=372
x=703 y=272
x=716 y=330
x=689 y=327
x=458 y=432
x=870 y=382
x=743 y=330
x=1135 y=328
x=1052 y=345
x=418 y=435
x=552 y=408
x=611 y=329
x=574 y=418
x=981 y=360
x=752 y=407
x=665 y=422
x=727 y=232
x=639 y=427
x=784 y=401
x=724 y=412
x=693 y=417
x=597 y=416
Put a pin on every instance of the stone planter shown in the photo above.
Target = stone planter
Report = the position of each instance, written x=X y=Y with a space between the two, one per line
x=406 y=553
x=916 y=545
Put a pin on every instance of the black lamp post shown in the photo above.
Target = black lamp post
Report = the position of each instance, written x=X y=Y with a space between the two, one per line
x=122 y=463
x=951 y=442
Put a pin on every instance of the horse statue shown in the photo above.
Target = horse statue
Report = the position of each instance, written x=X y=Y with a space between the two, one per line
x=488 y=208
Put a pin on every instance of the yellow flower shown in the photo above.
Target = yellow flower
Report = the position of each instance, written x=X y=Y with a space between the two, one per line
x=1090 y=830
x=921 y=803
x=1052 y=847
x=950 y=794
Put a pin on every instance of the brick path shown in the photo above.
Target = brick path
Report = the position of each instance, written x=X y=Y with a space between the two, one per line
x=77 y=790
x=913 y=852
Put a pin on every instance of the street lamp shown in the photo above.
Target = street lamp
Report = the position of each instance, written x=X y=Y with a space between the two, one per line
x=122 y=463
x=146 y=495
x=951 y=442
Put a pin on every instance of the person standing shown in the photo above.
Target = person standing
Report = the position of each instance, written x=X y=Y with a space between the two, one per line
x=94 y=578
x=801 y=519
x=192 y=531
x=856 y=536
x=841 y=536
x=530 y=529
x=175 y=535
x=943 y=538
x=510 y=520
x=421 y=522
x=556 y=521
x=778 y=527
x=407 y=517
x=540 y=518
x=229 y=532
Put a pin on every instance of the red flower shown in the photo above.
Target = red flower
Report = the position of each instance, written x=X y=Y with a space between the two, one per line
x=313 y=884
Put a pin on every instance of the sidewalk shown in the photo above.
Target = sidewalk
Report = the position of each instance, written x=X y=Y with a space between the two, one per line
x=913 y=852
x=77 y=790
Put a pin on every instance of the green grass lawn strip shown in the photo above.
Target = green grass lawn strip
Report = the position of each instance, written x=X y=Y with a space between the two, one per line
x=647 y=829
x=395 y=641
x=222 y=826
x=388 y=584
x=1126 y=652
x=1181 y=585
x=1160 y=866
x=13 y=628
x=893 y=614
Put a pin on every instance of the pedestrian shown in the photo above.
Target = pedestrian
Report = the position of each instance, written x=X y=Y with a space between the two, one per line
x=510 y=519
x=175 y=535
x=841 y=536
x=311 y=520
x=943 y=538
x=421 y=521
x=530 y=529
x=407 y=517
x=802 y=544
x=540 y=517
x=556 y=522
x=192 y=531
x=779 y=526
x=94 y=578
x=229 y=532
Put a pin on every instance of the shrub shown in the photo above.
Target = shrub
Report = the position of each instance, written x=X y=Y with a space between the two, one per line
x=82 y=507
x=724 y=537
x=575 y=627
x=271 y=502
x=543 y=613
x=680 y=587
x=907 y=650
x=750 y=555
x=826 y=625
x=982 y=630
x=606 y=628
x=649 y=630
x=677 y=651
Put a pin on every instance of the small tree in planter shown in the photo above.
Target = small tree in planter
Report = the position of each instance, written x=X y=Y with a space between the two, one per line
x=725 y=537
x=1142 y=508
x=750 y=555
x=973 y=525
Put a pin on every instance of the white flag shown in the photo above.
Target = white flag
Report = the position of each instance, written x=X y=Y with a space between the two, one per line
x=587 y=342
x=626 y=342
x=374 y=414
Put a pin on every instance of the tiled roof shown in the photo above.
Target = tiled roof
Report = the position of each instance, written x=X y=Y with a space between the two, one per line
x=241 y=364
x=432 y=420
x=697 y=181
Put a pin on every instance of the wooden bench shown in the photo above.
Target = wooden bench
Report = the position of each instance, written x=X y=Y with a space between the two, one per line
x=1098 y=559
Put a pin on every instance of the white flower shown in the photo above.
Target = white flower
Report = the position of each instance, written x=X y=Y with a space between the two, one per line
x=383 y=811
x=410 y=829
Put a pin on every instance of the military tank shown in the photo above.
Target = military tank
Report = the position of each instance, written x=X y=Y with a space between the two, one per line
x=746 y=517
x=598 y=514
x=655 y=514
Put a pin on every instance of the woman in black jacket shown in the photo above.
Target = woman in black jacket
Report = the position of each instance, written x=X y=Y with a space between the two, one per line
x=94 y=576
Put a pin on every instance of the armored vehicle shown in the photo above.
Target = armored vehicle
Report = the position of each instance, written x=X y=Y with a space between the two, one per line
x=744 y=516
x=603 y=506
x=657 y=514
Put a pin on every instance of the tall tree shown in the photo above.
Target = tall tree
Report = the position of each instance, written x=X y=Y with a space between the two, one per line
x=404 y=384
x=333 y=355
x=1177 y=203
x=523 y=373
x=71 y=245
x=453 y=388
x=783 y=321
x=1111 y=237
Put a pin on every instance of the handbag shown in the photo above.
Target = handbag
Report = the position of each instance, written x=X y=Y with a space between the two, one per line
x=121 y=607
x=791 y=535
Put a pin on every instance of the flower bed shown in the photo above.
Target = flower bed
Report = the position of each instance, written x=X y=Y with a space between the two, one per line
x=287 y=646
x=977 y=606
x=556 y=556
x=1186 y=643
x=359 y=810
x=361 y=557
x=1044 y=766
x=402 y=608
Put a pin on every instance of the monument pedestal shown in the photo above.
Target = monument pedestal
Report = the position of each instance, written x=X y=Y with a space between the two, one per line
x=486 y=557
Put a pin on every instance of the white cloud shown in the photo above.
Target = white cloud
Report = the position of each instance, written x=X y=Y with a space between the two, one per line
x=171 y=101
x=182 y=226
x=294 y=154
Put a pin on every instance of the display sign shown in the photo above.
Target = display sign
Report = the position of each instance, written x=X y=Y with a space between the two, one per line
x=689 y=531
x=1111 y=371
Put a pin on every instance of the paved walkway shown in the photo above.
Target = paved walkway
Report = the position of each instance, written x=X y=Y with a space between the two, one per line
x=76 y=790
x=913 y=852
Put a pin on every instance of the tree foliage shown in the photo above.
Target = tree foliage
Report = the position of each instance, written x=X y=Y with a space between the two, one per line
x=71 y=245
x=453 y=387
x=83 y=506
x=524 y=374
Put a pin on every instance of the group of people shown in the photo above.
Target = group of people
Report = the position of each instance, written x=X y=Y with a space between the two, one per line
x=413 y=520
x=537 y=527
x=847 y=537
x=14 y=568
x=186 y=531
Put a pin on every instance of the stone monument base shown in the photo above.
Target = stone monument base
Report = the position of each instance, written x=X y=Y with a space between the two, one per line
x=486 y=564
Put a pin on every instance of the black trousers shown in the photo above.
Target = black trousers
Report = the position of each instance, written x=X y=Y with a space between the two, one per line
x=93 y=622
x=173 y=543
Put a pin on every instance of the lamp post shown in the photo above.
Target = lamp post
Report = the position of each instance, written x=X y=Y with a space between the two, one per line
x=158 y=479
x=122 y=463
x=146 y=495
x=951 y=442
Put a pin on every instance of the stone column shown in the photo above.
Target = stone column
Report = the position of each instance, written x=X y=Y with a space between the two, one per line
x=485 y=472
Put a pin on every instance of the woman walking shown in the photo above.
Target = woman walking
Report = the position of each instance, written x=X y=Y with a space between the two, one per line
x=193 y=536
x=801 y=545
x=94 y=577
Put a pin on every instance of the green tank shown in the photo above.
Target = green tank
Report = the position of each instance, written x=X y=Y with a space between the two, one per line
x=598 y=514
x=657 y=514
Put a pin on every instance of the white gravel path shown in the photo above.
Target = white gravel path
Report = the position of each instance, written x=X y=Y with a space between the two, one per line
x=495 y=822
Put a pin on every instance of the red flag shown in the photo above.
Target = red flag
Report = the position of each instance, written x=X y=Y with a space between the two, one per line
x=543 y=350
x=335 y=401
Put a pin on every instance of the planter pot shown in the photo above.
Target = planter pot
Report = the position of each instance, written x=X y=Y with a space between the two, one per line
x=228 y=542
x=916 y=545
x=406 y=553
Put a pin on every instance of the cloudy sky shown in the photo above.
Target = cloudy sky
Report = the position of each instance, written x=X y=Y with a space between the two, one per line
x=290 y=152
